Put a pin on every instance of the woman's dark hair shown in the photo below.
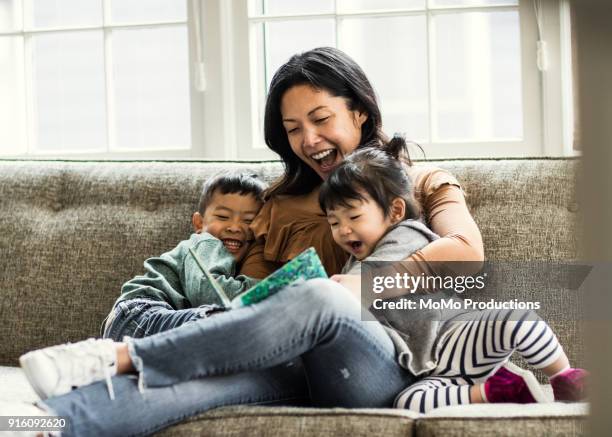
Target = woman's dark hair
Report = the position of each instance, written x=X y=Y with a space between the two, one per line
x=378 y=171
x=224 y=183
x=323 y=68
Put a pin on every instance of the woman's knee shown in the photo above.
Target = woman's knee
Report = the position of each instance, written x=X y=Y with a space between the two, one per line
x=327 y=295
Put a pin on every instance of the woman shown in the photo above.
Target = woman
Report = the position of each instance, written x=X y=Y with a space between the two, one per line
x=320 y=107
x=307 y=344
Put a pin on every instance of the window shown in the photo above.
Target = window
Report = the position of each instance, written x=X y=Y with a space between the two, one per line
x=125 y=78
x=95 y=78
x=457 y=76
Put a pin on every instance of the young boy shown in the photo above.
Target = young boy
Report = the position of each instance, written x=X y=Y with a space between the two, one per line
x=173 y=290
x=228 y=204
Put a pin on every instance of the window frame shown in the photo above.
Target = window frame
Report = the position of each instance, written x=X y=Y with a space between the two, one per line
x=225 y=120
x=28 y=150
x=545 y=94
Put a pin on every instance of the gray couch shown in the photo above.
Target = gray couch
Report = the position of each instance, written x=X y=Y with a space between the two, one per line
x=72 y=232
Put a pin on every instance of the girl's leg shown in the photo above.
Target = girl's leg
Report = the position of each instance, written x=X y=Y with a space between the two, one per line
x=509 y=384
x=473 y=350
x=489 y=340
x=91 y=413
x=433 y=392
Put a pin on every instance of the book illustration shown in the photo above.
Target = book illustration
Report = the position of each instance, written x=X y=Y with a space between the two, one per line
x=306 y=265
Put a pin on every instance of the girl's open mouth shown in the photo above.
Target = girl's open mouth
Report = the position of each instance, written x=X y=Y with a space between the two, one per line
x=356 y=245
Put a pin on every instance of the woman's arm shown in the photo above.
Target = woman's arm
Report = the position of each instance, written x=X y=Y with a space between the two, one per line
x=448 y=216
x=459 y=251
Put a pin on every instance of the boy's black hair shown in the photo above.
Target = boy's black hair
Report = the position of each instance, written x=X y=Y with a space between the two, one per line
x=377 y=171
x=224 y=183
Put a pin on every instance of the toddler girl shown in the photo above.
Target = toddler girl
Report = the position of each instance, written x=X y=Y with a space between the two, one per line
x=373 y=216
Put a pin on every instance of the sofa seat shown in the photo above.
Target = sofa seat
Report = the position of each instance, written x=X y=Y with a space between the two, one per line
x=15 y=386
x=550 y=419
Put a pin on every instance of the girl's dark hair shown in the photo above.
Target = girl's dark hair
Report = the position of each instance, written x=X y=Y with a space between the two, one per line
x=378 y=171
x=323 y=68
x=224 y=183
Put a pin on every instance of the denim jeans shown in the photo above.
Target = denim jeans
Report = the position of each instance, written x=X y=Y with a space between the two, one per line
x=247 y=356
x=138 y=318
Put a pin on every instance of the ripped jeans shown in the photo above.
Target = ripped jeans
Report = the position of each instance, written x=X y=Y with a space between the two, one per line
x=138 y=318
x=305 y=343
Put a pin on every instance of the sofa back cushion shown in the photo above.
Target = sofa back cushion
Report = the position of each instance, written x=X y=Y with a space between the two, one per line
x=71 y=233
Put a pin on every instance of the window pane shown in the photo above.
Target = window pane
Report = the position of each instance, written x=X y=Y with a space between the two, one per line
x=10 y=15
x=57 y=13
x=285 y=38
x=445 y=3
x=151 y=88
x=393 y=54
x=133 y=11
x=285 y=7
x=69 y=90
x=12 y=103
x=478 y=76
x=372 y=5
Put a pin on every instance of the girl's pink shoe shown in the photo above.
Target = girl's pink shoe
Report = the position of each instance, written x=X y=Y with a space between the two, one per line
x=570 y=386
x=511 y=384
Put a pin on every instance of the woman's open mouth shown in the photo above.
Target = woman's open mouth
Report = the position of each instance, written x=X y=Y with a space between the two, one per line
x=326 y=159
x=232 y=245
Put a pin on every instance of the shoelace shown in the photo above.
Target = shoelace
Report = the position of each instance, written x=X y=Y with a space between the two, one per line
x=109 y=383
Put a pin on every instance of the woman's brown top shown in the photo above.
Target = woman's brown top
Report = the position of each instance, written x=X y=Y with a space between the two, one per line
x=287 y=225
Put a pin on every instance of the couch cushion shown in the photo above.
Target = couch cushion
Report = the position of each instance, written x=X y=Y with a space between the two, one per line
x=291 y=421
x=526 y=209
x=15 y=386
x=551 y=419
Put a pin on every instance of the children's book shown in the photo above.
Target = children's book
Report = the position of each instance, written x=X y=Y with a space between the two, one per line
x=306 y=265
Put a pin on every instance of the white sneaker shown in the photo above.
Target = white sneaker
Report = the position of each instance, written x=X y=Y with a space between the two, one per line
x=56 y=370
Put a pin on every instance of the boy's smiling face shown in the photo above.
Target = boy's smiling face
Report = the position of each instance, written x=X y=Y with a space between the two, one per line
x=227 y=217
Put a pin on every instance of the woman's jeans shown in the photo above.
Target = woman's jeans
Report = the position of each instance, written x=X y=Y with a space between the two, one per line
x=247 y=356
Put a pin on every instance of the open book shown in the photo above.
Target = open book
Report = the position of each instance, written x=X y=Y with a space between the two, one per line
x=306 y=265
